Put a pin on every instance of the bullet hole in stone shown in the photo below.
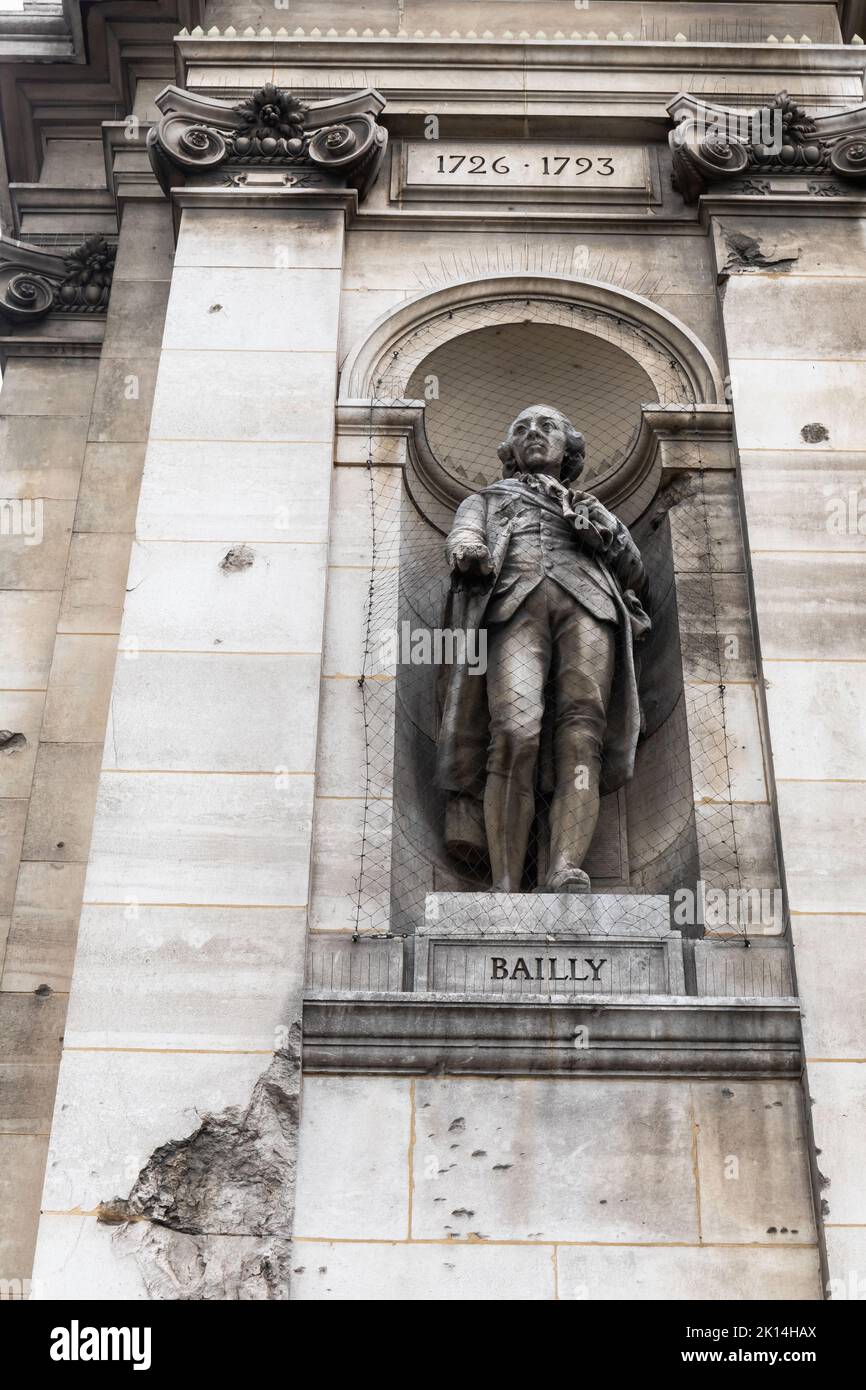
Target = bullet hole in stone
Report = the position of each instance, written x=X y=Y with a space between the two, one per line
x=777 y=1103
x=323 y=1269
x=602 y=1201
x=825 y=1207
x=727 y=1092
x=454 y=1146
x=301 y=1269
x=794 y=1231
x=61 y=844
x=42 y=991
x=815 y=433
x=501 y=1167
x=783 y=1230
x=479 y=1153
x=822 y=1181
x=215 y=309
x=240 y=557
x=457 y=1126
x=463 y=1212
x=438 y=1199
x=9 y=741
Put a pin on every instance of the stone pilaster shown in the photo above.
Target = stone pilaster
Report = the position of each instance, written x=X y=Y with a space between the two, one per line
x=802 y=438
x=190 y=964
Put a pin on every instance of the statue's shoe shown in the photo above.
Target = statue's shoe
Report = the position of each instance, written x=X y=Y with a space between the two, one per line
x=568 y=881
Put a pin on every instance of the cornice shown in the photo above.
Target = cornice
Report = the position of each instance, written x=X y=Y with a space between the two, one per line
x=509 y=83
x=435 y=1034
x=228 y=48
x=123 y=40
x=48 y=35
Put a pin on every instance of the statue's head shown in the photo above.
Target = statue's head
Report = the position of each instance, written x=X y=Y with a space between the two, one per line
x=543 y=440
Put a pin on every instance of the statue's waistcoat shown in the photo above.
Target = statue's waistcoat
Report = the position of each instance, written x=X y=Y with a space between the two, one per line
x=543 y=544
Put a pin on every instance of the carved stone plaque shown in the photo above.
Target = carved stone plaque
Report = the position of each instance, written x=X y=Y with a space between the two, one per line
x=530 y=967
x=529 y=944
x=524 y=170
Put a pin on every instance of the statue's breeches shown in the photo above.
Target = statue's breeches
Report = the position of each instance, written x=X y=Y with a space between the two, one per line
x=550 y=635
x=549 y=631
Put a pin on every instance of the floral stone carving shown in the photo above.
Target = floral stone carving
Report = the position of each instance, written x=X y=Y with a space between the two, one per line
x=711 y=144
x=337 y=143
x=34 y=282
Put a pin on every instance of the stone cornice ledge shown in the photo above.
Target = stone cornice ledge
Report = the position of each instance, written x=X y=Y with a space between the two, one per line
x=626 y=1035
x=232 y=49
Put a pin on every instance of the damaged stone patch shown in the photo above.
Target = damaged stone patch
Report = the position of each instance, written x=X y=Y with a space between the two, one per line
x=680 y=489
x=240 y=557
x=210 y=1216
x=10 y=741
x=745 y=253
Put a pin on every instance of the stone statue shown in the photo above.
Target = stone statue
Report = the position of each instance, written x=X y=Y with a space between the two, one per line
x=553 y=582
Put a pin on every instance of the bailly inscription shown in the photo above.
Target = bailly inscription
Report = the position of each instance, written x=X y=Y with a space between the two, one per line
x=529 y=967
x=502 y=969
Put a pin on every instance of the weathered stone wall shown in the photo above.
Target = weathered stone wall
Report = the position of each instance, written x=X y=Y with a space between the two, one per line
x=797 y=355
x=230 y=792
x=485 y=1188
x=190 y=960
x=73 y=432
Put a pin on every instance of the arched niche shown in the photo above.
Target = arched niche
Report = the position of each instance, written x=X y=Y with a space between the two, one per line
x=643 y=366
x=649 y=342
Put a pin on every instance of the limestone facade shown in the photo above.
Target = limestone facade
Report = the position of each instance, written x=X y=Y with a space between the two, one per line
x=228 y=927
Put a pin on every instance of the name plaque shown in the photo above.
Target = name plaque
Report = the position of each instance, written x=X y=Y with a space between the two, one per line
x=500 y=944
x=538 y=171
x=528 y=967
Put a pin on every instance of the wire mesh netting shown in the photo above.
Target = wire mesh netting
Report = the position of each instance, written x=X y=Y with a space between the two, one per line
x=523 y=661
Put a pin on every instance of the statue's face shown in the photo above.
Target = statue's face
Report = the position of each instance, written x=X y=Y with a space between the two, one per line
x=538 y=440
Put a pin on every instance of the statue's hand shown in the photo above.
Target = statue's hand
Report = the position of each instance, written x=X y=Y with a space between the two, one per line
x=474 y=560
x=589 y=526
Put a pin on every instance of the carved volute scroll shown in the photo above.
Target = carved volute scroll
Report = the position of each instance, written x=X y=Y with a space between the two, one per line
x=711 y=144
x=336 y=143
x=34 y=283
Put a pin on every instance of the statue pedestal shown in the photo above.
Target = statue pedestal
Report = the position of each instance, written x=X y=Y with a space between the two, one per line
x=548 y=944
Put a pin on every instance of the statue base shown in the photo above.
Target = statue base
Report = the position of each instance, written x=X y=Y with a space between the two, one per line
x=549 y=944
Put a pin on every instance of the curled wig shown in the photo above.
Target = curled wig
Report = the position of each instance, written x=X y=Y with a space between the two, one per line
x=575 y=447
